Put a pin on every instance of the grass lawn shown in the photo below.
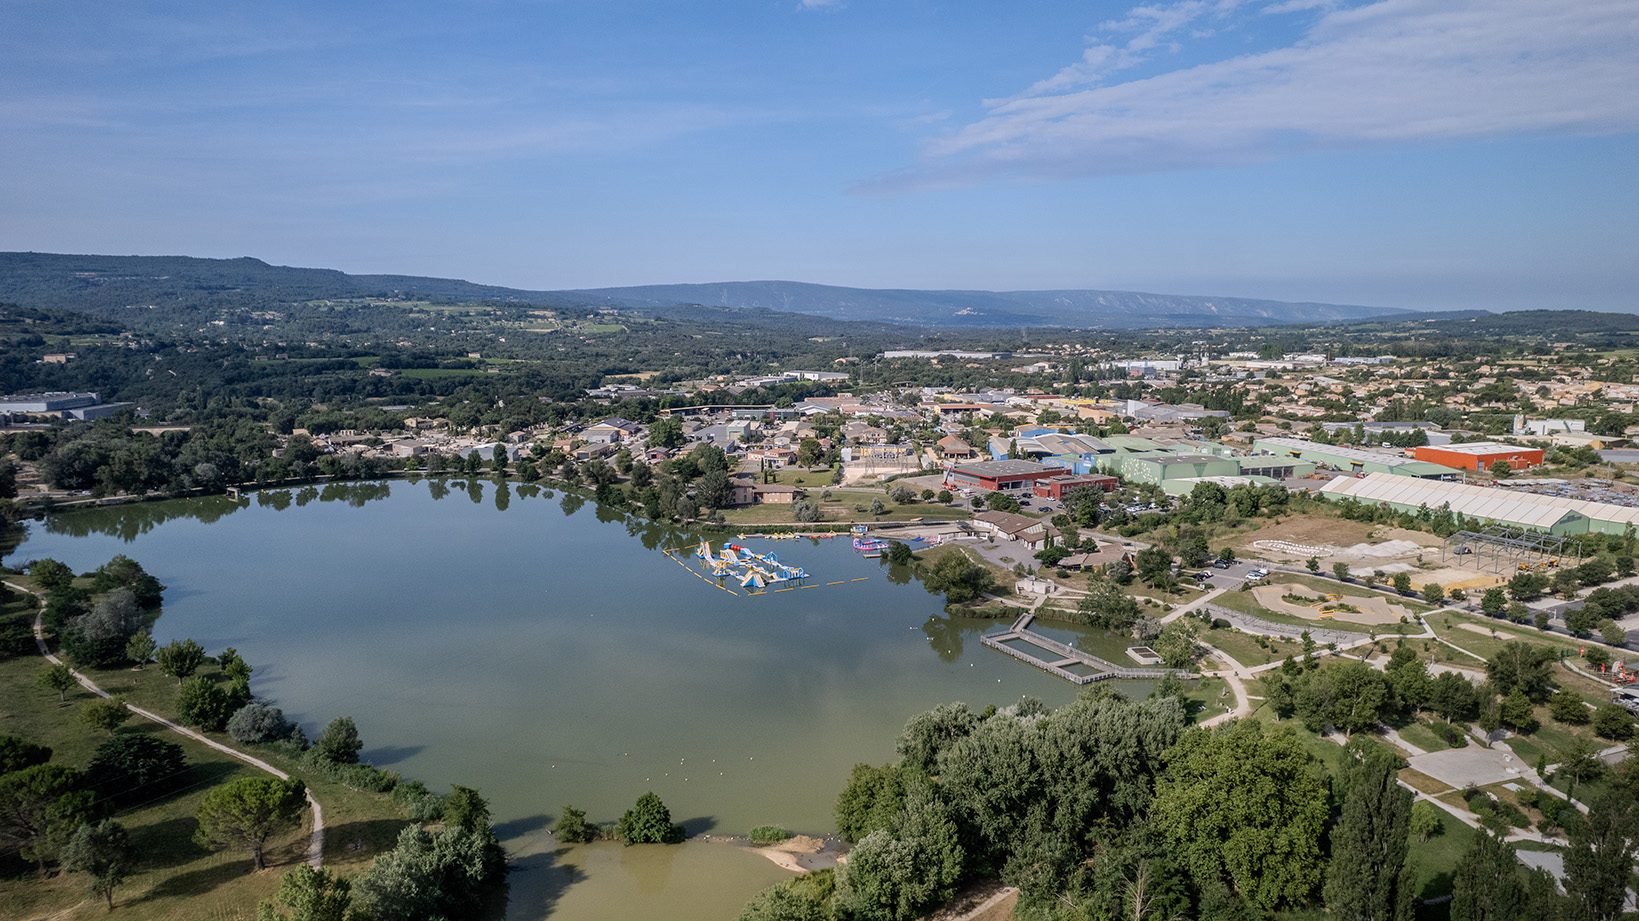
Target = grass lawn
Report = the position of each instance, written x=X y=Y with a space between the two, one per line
x=1245 y=649
x=1436 y=863
x=176 y=878
x=1420 y=781
x=1204 y=698
x=1423 y=736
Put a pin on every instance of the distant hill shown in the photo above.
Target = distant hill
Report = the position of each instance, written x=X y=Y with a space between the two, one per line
x=115 y=285
x=1069 y=308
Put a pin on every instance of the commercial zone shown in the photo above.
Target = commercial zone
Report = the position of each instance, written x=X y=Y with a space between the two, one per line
x=1555 y=515
x=1356 y=460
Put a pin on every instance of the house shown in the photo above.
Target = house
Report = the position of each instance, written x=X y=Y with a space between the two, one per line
x=1010 y=526
x=955 y=449
x=776 y=494
x=741 y=492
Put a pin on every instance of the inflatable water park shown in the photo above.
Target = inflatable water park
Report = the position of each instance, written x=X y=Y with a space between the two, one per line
x=734 y=565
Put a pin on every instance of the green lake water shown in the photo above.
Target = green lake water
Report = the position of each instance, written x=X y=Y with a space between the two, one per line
x=545 y=651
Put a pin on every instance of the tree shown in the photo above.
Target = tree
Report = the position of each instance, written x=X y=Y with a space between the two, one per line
x=1402 y=582
x=1501 y=469
x=666 y=432
x=439 y=874
x=40 y=807
x=58 y=678
x=872 y=797
x=927 y=734
x=311 y=895
x=1526 y=666
x=898 y=874
x=1177 y=643
x=256 y=722
x=1613 y=634
x=713 y=491
x=1366 y=880
x=246 y=812
x=466 y=810
x=1313 y=564
x=1567 y=707
x=648 y=822
x=105 y=713
x=1493 y=601
x=339 y=742
x=1599 y=861
x=51 y=575
x=958 y=578
x=1248 y=806
x=180 y=659
x=16 y=754
x=136 y=763
x=202 y=704
x=1425 y=820
x=1106 y=605
x=573 y=828
x=141 y=648
x=1341 y=571
x=1612 y=722
x=103 y=852
x=1434 y=593
x=1516 y=712
x=1154 y=565
x=1486 y=884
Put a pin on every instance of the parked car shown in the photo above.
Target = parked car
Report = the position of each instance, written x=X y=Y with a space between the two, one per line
x=1204 y=575
x=1220 y=564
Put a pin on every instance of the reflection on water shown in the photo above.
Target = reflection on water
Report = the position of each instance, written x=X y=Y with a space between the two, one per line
x=550 y=658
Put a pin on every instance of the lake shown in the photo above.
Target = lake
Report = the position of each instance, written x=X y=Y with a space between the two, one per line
x=544 y=650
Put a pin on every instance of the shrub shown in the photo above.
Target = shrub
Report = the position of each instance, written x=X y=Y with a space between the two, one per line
x=1612 y=722
x=422 y=804
x=357 y=776
x=203 y=705
x=649 y=822
x=769 y=834
x=573 y=828
x=256 y=722
x=340 y=741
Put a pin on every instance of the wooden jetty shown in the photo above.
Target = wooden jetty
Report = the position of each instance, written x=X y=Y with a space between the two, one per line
x=1062 y=658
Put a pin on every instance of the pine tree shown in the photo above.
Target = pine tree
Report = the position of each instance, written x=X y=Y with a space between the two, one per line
x=1369 y=844
x=1599 y=861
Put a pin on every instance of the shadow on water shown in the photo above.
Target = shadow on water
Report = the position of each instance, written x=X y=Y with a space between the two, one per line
x=540 y=880
x=513 y=828
x=947 y=634
x=699 y=825
x=392 y=754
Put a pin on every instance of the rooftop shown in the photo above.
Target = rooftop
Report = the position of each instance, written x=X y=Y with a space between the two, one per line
x=1005 y=468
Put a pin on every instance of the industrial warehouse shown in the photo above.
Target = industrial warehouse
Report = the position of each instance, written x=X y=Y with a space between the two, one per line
x=1556 y=515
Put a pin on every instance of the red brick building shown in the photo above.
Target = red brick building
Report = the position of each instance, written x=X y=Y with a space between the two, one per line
x=1007 y=476
x=1055 y=487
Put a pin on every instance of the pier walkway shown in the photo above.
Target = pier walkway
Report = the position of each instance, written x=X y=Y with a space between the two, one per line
x=1066 y=662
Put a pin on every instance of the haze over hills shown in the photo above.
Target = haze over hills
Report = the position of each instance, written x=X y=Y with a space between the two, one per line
x=105 y=283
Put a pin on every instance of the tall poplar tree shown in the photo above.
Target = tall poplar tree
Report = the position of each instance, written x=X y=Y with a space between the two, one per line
x=1367 y=880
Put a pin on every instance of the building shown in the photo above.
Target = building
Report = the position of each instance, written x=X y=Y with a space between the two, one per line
x=1481 y=505
x=1007 y=476
x=1545 y=427
x=610 y=431
x=1054 y=487
x=1480 y=455
x=1159 y=467
x=955 y=449
x=83 y=406
x=1013 y=527
x=1183 y=486
x=775 y=494
x=1346 y=459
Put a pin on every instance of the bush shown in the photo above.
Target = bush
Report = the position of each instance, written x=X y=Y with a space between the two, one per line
x=422 y=804
x=572 y=827
x=649 y=822
x=357 y=776
x=769 y=834
x=1613 y=722
x=254 y=723
x=340 y=741
x=203 y=705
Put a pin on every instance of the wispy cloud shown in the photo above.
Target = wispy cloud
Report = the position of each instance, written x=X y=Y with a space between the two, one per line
x=1390 y=72
x=820 y=4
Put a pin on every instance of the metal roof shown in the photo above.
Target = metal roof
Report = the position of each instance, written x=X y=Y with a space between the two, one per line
x=1474 y=501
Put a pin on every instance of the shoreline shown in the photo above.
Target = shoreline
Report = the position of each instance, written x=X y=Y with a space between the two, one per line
x=798 y=854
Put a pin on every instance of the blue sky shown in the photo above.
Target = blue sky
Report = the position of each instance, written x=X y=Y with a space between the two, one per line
x=1412 y=153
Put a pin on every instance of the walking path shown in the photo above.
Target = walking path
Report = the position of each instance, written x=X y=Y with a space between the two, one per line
x=1231 y=675
x=315 y=844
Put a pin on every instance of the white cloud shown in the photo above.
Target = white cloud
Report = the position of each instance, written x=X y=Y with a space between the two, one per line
x=1390 y=72
x=820 y=4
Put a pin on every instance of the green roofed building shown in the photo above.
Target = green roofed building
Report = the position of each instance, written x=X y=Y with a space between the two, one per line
x=1158 y=467
x=1350 y=460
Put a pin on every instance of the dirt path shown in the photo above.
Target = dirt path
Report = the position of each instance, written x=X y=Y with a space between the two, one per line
x=315 y=844
x=1231 y=675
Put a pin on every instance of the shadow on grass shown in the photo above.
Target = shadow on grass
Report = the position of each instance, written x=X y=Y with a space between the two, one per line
x=202 y=776
x=352 y=840
x=512 y=829
x=168 y=843
x=198 y=882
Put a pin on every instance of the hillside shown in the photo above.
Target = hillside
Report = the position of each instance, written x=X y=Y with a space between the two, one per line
x=179 y=290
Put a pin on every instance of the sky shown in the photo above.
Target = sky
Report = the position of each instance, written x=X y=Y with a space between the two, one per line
x=1423 y=154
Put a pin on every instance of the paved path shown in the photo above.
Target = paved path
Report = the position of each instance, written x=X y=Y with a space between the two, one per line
x=315 y=844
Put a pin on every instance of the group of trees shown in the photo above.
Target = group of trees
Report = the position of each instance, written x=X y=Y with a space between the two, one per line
x=1111 y=808
x=97 y=623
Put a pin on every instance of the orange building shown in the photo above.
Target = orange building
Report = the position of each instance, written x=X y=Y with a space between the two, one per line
x=1480 y=455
